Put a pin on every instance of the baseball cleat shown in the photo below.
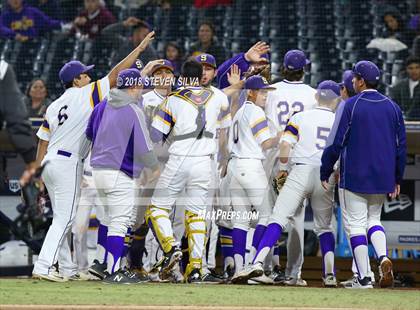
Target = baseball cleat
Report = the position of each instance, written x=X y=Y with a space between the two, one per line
x=52 y=277
x=386 y=276
x=209 y=278
x=289 y=281
x=349 y=282
x=278 y=275
x=122 y=277
x=170 y=259
x=261 y=280
x=330 y=280
x=141 y=274
x=250 y=271
x=82 y=276
x=194 y=277
x=98 y=269
x=357 y=283
x=229 y=272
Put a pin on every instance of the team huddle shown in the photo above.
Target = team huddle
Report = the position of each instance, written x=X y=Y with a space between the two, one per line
x=174 y=168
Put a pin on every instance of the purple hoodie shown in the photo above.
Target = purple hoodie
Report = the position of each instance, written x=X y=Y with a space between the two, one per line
x=118 y=131
x=224 y=69
x=29 y=22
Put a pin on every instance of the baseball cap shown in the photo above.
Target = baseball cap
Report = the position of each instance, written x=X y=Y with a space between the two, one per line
x=206 y=59
x=328 y=90
x=164 y=64
x=257 y=82
x=295 y=60
x=138 y=64
x=72 y=69
x=129 y=78
x=347 y=81
x=367 y=70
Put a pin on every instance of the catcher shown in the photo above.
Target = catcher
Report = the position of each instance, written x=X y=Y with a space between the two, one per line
x=307 y=133
x=248 y=138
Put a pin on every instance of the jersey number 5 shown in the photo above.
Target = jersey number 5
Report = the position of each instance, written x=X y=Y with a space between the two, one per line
x=321 y=137
x=62 y=116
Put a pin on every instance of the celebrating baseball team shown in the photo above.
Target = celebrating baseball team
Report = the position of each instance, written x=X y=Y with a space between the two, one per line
x=174 y=166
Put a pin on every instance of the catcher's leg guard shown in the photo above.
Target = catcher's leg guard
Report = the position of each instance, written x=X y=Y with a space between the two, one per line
x=158 y=220
x=195 y=227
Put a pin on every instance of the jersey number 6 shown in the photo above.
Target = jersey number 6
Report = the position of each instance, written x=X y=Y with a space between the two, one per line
x=62 y=116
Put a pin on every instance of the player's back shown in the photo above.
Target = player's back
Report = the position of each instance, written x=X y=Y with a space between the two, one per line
x=311 y=128
x=286 y=99
x=67 y=117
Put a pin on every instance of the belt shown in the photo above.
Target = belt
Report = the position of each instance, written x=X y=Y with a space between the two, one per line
x=63 y=153
x=87 y=173
x=300 y=164
x=195 y=135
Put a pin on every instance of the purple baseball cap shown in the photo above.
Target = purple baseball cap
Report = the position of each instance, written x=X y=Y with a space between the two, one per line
x=129 y=78
x=72 y=69
x=138 y=64
x=164 y=64
x=257 y=82
x=348 y=80
x=328 y=90
x=295 y=60
x=367 y=70
x=206 y=59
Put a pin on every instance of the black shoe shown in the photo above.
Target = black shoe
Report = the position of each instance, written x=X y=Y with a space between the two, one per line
x=122 y=277
x=229 y=272
x=209 y=278
x=194 y=276
x=170 y=259
x=278 y=275
x=98 y=269
x=141 y=275
x=215 y=274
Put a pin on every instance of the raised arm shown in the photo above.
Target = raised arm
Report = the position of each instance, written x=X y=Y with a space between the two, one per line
x=130 y=59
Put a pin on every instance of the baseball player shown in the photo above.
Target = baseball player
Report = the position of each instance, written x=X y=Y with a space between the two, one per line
x=291 y=95
x=224 y=122
x=248 y=138
x=63 y=146
x=306 y=132
x=188 y=167
x=121 y=148
x=371 y=143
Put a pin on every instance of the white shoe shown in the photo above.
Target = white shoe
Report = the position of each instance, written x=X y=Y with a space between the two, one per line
x=357 y=283
x=330 y=280
x=250 y=271
x=82 y=276
x=261 y=280
x=386 y=275
x=52 y=277
x=295 y=282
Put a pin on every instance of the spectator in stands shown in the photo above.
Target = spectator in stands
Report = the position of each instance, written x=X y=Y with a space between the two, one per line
x=395 y=28
x=174 y=54
x=122 y=45
x=93 y=19
x=20 y=21
x=49 y=7
x=406 y=93
x=207 y=43
x=36 y=98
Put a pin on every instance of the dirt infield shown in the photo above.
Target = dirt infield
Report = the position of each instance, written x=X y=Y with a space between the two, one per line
x=101 y=307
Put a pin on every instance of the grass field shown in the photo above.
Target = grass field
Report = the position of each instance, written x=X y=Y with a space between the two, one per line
x=27 y=291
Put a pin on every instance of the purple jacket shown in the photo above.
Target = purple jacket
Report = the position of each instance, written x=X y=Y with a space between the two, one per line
x=29 y=22
x=224 y=69
x=118 y=131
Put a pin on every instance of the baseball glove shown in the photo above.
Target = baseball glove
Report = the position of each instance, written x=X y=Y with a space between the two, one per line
x=279 y=181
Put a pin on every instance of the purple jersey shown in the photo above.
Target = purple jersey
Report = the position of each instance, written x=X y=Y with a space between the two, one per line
x=119 y=136
x=224 y=69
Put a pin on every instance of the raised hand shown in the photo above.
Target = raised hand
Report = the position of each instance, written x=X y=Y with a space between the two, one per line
x=255 y=52
x=234 y=76
x=145 y=43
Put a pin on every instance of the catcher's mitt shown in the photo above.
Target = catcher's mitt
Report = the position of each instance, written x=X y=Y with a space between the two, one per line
x=279 y=181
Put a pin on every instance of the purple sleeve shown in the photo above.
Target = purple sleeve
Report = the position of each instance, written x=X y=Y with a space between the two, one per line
x=142 y=142
x=6 y=32
x=224 y=68
x=338 y=114
x=44 y=22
